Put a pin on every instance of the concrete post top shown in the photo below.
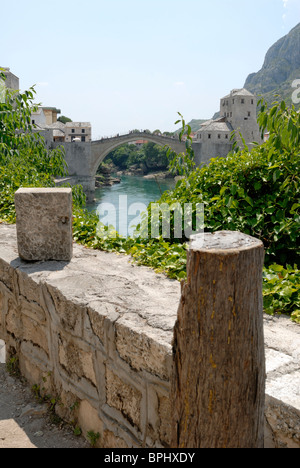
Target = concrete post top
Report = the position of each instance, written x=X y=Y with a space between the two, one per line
x=44 y=223
x=37 y=190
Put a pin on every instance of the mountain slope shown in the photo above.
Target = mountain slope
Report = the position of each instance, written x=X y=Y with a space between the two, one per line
x=281 y=67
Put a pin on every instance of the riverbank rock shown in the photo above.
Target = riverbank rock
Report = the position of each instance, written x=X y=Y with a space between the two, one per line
x=102 y=181
x=159 y=175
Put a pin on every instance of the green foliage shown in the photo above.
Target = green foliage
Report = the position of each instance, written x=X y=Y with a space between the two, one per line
x=150 y=156
x=256 y=192
x=93 y=437
x=182 y=164
x=64 y=119
x=77 y=431
x=281 y=291
x=24 y=159
x=13 y=366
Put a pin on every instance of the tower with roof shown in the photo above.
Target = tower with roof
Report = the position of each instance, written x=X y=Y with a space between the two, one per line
x=239 y=109
x=237 y=114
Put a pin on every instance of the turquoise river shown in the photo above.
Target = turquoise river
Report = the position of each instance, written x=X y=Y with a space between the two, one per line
x=121 y=204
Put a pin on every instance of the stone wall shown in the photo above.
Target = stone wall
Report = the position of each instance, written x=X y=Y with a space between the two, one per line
x=207 y=150
x=91 y=333
x=96 y=334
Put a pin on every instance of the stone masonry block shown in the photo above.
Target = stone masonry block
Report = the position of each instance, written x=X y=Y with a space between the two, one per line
x=44 y=223
x=124 y=397
x=143 y=347
x=76 y=361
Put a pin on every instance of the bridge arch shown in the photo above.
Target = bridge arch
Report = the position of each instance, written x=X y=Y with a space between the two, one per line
x=101 y=148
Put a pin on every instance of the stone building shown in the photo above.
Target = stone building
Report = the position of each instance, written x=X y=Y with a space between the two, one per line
x=51 y=114
x=78 y=131
x=12 y=81
x=44 y=116
x=45 y=122
x=237 y=114
x=239 y=107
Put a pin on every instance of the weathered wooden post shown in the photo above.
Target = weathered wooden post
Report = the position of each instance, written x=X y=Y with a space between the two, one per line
x=218 y=383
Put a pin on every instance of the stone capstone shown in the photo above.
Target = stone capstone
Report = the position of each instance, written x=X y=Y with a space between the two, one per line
x=44 y=223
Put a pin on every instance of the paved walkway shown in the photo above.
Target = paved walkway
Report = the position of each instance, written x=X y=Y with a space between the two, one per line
x=26 y=423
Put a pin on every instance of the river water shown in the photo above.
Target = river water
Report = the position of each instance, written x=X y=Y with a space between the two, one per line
x=121 y=204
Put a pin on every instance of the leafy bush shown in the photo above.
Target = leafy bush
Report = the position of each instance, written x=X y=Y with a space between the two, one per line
x=281 y=290
x=150 y=156
x=256 y=192
x=24 y=159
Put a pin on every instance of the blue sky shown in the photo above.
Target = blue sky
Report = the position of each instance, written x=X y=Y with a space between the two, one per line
x=124 y=64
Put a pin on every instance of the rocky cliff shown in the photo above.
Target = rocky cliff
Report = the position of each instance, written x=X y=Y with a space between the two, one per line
x=281 y=67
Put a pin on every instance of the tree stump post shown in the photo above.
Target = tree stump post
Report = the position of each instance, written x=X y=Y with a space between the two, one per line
x=218 y=380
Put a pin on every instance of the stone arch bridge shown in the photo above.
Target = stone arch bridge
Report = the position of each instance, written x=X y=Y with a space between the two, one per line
x=83 y=159
x=101 y=148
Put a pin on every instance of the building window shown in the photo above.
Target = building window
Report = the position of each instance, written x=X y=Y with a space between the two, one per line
x=243 y=101
x=232 y=101
x=249 y=114
x=209 y=136
x=83 y=138
x=73 y=130
x=226 y=137
x=219 y=136
x=230 y=114
x=83 y=130
x=252 y=101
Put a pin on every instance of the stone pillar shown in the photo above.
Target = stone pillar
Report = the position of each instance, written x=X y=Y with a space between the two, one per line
x=218 y=382
x=44 y=223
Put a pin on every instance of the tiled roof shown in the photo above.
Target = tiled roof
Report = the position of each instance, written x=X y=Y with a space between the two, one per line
x=238 y=92
x=218 y=127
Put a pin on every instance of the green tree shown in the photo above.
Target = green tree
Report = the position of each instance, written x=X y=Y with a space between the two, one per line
x=183 y=163
x=155 y=156
x=24 y=158
x=256 y=192
x=64 y=119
